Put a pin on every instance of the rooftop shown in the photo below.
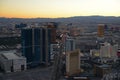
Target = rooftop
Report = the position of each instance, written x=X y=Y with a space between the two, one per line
x=10 y=56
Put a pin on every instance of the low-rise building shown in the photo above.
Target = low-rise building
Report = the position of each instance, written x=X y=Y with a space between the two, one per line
x=101 y=70
x=11 y=62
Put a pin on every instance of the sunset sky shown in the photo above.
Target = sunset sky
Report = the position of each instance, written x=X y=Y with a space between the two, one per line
x=58 y=8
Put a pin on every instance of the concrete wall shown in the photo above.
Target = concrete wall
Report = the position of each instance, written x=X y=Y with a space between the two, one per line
x=12 y=65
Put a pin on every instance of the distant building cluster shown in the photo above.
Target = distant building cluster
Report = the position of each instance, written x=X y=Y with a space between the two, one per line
x=73 y=50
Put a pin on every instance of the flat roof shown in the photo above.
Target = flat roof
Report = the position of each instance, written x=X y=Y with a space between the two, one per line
x=10 y=51
x=10 y=56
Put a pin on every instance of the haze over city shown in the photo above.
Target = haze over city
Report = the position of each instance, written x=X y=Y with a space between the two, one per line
x=58 y=8
x=59 y=39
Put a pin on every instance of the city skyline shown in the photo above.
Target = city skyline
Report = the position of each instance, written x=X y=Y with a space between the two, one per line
x=58 y=8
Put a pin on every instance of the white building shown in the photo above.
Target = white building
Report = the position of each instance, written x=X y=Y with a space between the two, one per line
x=11 y=62
x=108 y=51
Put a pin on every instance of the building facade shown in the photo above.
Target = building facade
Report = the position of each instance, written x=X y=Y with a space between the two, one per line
x=69 y=44
x=11 y=62
x=36 y=45
x=108 y=51
x=73 y=62
x=101 y=30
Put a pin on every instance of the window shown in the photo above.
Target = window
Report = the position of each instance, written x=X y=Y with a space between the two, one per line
x=22 y=67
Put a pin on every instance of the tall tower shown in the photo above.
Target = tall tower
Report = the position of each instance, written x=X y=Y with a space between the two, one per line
x=52 y=26
x=36 y=45
x=69 y=44
x=101 y=30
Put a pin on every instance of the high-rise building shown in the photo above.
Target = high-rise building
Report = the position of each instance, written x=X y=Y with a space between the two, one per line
x=101 y=30
x=69 y=44
x=73 y=62
x=52 y=26
x=36 y=45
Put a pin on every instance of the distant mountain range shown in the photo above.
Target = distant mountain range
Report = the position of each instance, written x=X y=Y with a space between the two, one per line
x=76 y=19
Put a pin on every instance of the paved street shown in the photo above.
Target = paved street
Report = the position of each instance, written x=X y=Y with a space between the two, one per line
x=43 y=73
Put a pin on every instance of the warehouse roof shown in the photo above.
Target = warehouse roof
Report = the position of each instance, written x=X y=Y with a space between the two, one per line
x=10 y=56
x=10 y=51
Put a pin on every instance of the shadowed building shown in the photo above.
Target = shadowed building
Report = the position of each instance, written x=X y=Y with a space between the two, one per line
x=36 y=45
x=12 y=62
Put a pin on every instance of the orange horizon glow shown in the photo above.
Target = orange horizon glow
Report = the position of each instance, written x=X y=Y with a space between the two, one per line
x=49 y=16
x=58 y=8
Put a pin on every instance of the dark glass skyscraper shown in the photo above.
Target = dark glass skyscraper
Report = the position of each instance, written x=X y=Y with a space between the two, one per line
x=36 y=45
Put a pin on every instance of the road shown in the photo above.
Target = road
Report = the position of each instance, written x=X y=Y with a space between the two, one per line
x=39 y=73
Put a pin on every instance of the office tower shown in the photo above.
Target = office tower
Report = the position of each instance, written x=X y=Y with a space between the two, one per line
x=73 y=62
x=69 y=44
x=52 y=26
x=101 y=30
x=36 y=45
